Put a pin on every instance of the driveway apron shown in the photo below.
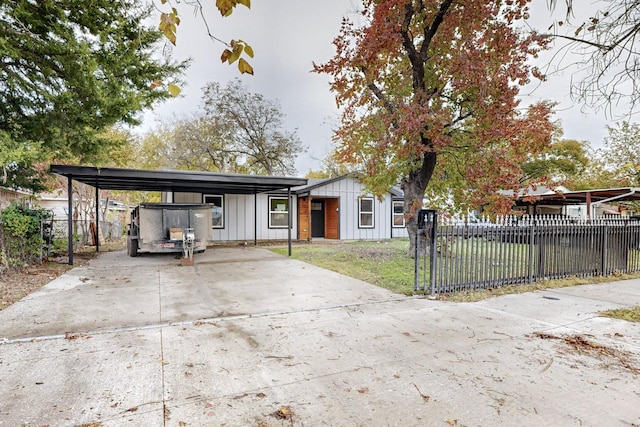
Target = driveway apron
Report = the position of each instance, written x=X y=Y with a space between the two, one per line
x=249 y=337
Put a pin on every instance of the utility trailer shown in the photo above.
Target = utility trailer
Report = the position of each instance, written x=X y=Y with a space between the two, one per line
x=164 y=228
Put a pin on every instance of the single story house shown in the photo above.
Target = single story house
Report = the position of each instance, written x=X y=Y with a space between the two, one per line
x=255 y=207
x=335 y=208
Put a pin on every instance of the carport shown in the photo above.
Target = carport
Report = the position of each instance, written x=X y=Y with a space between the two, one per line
x=590 y=198
x=170 y=180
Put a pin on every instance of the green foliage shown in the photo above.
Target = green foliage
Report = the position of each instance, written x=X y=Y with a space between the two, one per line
x=71 y=70
x=18 y=164
x=18 y=220
x=621 y=153
x=564 y=161
x=21 y=240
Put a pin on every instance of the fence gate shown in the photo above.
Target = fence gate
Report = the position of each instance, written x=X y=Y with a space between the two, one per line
x=425 y=245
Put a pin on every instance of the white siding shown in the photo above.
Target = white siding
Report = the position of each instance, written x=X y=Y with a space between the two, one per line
x=240 y=215
x=240 y=218
x=349 y=190
x=397 y=232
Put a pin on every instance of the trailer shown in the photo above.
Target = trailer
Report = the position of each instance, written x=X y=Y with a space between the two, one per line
x=168 y=228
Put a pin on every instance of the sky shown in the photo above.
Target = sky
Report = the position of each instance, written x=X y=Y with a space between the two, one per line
x=288 y=36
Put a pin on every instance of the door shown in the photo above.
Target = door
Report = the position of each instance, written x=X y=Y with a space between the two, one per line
x=317 y=218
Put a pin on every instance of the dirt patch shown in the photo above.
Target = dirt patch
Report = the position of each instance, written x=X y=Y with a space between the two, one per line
x=17 y=284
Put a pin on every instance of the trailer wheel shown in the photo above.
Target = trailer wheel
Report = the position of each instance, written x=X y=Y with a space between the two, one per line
x=132 y=247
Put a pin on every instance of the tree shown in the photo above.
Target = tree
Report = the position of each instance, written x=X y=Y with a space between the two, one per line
x=608 y=43
x=563 y=163
x=197 y=143
x=422 y=80
x=254 y=125
x=621 y=153
x=237 y=132
x=70 y=70
x=330 y=168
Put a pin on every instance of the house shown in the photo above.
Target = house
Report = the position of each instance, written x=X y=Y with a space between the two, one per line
x=55 y=201
x=340 y=208
x=257 y=207
x=8 y=195
x=336 y=208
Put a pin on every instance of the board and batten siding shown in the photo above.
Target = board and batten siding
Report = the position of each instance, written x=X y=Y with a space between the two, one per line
x=349 y=191
x=239 y=218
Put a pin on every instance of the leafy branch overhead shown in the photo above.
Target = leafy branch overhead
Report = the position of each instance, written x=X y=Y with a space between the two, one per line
x=169 y=22
x=233 y=55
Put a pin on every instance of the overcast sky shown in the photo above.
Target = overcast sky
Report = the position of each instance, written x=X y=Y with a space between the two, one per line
x=287 y=37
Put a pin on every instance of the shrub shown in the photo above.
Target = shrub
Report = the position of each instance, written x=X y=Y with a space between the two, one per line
x=21 y=241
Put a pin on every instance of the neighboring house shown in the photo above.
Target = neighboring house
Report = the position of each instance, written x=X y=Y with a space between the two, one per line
x=335 y=208
x=57 y=202
x=8 y=195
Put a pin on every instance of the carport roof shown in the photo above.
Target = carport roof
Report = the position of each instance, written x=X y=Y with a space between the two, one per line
x=171 y=180
x=581 y=197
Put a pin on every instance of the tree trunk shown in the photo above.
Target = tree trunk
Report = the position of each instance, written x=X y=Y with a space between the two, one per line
x=414 y=186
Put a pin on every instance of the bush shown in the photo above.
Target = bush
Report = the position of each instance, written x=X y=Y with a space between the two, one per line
x=20 y=238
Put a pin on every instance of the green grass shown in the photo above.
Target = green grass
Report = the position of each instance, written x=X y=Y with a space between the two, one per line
x=383 y=263
x=386 y=264
x=628 y=314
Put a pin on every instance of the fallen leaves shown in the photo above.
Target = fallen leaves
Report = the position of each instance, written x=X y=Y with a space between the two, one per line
x=582 y=345
x=284 y=413
x=71 y=336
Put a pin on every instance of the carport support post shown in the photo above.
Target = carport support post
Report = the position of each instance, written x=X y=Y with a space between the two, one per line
x=98 y=217
x=289 y=217
x=255 y=219
x=70 y=219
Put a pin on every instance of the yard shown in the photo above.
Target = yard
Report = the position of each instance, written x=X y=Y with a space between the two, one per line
x=386 y=264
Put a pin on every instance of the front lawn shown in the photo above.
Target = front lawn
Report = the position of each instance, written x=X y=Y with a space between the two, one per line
x=386 y=264
x=383 y=263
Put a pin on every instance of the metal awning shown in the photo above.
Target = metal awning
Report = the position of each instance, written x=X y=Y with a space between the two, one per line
x=581 y=197
x=586 y=197
x=180 y=181
x=172 y=181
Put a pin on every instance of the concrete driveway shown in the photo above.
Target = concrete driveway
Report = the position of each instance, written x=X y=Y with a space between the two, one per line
x=251 y=338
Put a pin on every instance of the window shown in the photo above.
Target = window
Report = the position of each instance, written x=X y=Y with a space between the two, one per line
x=217 y=212
x=398 y=214
x=365 y=212
x=278 y=212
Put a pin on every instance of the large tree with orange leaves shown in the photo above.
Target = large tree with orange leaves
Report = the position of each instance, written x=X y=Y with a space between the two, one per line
x=419 y=80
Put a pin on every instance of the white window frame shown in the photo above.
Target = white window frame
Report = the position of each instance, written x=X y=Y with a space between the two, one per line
x=363 y=212
x=278 y=212
x=221 y=196
x=395 y=203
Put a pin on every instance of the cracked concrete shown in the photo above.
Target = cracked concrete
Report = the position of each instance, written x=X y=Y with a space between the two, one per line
x=248 y=337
